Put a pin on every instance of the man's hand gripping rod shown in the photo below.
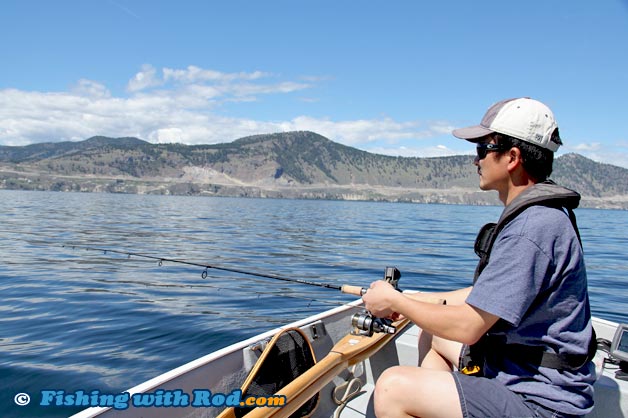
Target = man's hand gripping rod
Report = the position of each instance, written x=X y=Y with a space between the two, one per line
x=391 y=275
x=364 y=322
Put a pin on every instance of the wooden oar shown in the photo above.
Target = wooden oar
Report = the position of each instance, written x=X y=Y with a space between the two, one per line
x=230 y=412
x=350 y=350
x=307 y=358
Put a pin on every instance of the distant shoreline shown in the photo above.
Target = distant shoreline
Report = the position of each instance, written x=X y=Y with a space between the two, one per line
x=453 y=196
x=300 y=164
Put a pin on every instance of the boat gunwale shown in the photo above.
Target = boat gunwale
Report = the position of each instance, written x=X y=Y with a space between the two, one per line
x=208 y=358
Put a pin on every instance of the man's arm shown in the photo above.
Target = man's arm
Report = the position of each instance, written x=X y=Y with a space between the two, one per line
x=456 y=322
x=454 y=297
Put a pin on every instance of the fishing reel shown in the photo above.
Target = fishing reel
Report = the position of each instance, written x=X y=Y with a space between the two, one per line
x=365 y=323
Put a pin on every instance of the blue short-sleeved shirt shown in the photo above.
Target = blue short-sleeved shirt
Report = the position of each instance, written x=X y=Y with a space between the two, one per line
x=536 y=283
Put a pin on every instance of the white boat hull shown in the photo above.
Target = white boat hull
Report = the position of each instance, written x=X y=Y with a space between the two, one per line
x=226 y=369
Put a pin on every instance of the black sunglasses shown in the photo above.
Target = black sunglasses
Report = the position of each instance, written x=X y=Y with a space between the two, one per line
x=483 y=149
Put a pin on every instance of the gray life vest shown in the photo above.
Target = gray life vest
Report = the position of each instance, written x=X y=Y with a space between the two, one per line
x=544 y=194
x=472 y=357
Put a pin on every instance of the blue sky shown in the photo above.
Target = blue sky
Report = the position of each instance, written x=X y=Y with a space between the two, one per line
x=388 y=77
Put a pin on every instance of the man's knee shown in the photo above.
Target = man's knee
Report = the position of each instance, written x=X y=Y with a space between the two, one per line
x=416 y=391
x=386 y=383
x=385 y=391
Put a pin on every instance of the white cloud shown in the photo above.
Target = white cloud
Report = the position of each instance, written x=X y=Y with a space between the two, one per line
x=193 y=74
x=618 y=158
x=181 y=106
x=91 y=89
x=356 y=132
x=144 y=79
x=425 y=151
x=166 y=135
x=593 y=146
x=617 y=154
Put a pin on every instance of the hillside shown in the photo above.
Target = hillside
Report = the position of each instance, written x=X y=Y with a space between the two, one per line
x=292 y=164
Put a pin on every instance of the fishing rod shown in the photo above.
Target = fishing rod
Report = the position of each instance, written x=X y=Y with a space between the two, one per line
x=364 y=322
x=348 y=289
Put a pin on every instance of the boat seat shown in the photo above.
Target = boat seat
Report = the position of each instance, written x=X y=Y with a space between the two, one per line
x=611 y=395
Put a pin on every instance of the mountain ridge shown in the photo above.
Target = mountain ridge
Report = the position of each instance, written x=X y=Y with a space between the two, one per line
x=300 y=164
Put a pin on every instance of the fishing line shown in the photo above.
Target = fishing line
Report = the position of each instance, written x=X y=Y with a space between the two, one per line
x=248 y=290
x=206 y=267
x=291 y=295
x=43 y=239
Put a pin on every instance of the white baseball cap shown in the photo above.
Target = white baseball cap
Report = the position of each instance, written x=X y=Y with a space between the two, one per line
x=526 y=119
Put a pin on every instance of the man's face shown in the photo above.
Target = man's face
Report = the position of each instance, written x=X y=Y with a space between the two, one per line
x=491 y=164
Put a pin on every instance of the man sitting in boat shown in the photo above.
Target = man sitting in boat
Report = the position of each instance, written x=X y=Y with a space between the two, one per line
x=519 y=337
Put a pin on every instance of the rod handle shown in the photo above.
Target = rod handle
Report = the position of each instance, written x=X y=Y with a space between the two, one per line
x=353 y=290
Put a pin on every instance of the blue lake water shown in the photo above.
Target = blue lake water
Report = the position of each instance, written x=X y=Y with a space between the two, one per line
x=75 y=319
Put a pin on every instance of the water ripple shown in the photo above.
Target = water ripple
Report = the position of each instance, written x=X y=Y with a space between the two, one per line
x=75 y=319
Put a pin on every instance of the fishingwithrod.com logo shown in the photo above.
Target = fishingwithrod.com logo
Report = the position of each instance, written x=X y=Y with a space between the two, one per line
x=158 y=399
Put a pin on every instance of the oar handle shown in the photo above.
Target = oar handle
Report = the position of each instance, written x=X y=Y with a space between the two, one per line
x=353 y=290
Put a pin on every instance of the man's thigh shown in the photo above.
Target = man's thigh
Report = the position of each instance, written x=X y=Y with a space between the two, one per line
x=482 y=397
x=448 y=349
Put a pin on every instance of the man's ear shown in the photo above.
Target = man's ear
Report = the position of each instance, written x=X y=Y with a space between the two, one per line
x=514 y=158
